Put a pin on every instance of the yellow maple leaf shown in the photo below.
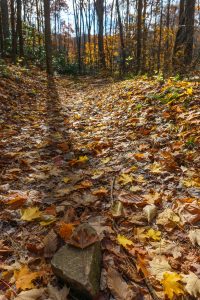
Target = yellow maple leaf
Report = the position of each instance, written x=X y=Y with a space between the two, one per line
x=30 y=214
x=24 y=278
x=105 y=160
x=122 y=240
x=189 y=91
x=125 y=179
x=171 y=284
x=153 y=234
x=156 y=168
x=66 y=179
x=83 y=159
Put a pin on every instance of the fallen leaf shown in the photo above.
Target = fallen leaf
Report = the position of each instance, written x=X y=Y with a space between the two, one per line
x=125 y=179
x=168 y=219
x=66 y=179
x=153 y=234
x=158 y=266
x=192 y=284
x=117 y=209
x=118 y=287
x=150 y=211
x=24 y=278
x=172 y=285
x=85 y=184
x=56 y=294
x=33 y=294
x=156 y=168
x=194 y=236
x=83 y=236
x=16 y=201
x=50 y=243
x=30 y=214
x=100 y=192
x=65 y=231
x=122 y=240
x=106 y=160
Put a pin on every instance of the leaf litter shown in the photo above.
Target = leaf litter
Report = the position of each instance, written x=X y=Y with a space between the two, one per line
x=61 y=149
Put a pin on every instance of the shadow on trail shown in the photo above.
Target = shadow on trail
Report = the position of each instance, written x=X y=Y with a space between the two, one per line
x=57 y=142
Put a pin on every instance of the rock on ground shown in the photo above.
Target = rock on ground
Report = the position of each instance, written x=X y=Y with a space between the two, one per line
x=79 y=268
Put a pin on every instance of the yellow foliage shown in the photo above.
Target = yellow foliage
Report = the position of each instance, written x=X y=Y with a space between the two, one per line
x=24 y=278
x=123 y=241
x=30 y=214
x=171 y=284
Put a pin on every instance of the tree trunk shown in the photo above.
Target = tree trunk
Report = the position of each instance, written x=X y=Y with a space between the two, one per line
x=189 y=28
x=48 y=46
x=5 y=24
x=139 y=35
x=180 y=36
x=13 y=29
x=123 y=63
x=99 y=6
x=19 y=28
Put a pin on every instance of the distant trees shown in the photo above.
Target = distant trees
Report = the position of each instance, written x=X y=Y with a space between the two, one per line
x=119 y=36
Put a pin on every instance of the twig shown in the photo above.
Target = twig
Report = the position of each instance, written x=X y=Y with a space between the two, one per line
x=146 y=280
x=8 y=286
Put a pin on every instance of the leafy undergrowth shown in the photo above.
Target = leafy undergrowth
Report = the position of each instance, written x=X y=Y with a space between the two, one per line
x=122 y=156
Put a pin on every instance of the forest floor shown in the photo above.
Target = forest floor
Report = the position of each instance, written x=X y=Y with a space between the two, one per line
x=122 y=156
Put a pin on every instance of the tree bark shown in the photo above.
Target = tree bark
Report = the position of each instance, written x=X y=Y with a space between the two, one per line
x=48 y=46
x=5 y=24
x=139 y=35
x=189 y=28
x=13 y=29
x=19 y=28
x=123 y=63
x=180 y=36
x=99 y=6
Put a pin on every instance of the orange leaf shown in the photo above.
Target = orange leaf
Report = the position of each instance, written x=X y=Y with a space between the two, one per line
x=65 y=230
x=16 y=201
x=142 y=266
x=100 y=192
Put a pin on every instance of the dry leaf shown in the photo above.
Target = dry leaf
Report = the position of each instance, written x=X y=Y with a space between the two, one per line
x=118 y=287
x=83 y=236
x=194 y=236
x=158 y=266
x=65 y=231
x=150 y=211
x=122 y=240
x=168 y=219
x=56 y=294
x=33 y=294
x=125 y=179
x=117 y=209
x=50 y=243
x=153 y=234
x=30 y=214
x=192 y=284
x=172 y=285
x=100 y=192
x=24 y=278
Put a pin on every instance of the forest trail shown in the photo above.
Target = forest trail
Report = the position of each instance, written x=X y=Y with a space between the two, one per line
x=70 y=148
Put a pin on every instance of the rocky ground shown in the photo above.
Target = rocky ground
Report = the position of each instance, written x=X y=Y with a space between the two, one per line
x=122 y=157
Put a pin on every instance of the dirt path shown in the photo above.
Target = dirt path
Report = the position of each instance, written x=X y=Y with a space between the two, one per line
x=71 y=148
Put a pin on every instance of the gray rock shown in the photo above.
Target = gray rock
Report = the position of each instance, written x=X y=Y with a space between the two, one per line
x=79 y=268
